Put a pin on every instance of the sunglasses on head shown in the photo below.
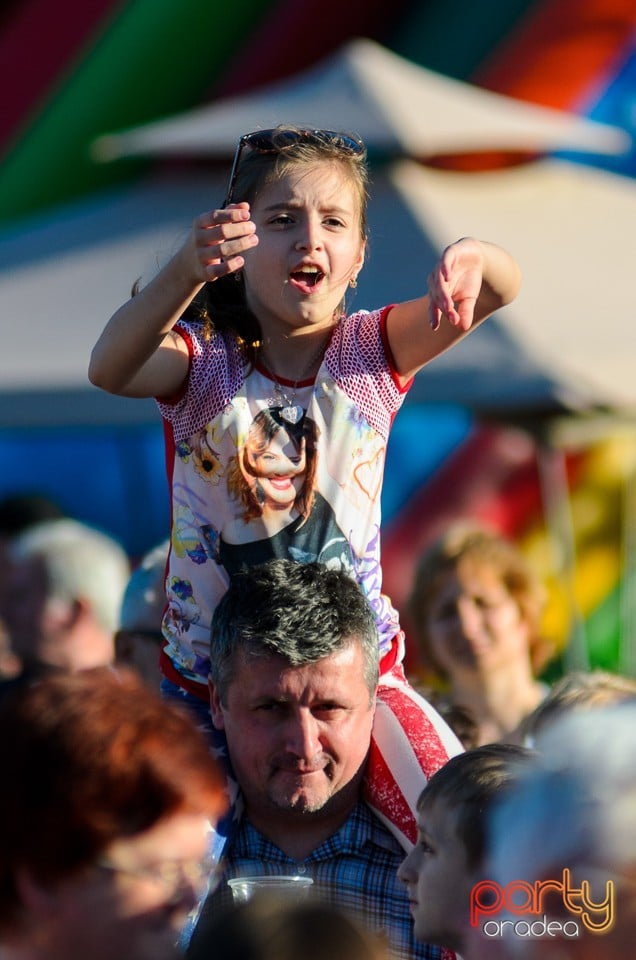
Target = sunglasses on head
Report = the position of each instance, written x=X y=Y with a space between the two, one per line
x=272 y=141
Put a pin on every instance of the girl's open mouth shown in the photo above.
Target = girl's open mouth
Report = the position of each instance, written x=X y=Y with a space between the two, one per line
x=306 y=279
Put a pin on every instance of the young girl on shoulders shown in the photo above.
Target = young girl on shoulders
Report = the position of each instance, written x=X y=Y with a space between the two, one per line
x=278 y=405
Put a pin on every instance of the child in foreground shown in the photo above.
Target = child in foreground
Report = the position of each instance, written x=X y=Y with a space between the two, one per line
x=450 y=853
x=277 y=405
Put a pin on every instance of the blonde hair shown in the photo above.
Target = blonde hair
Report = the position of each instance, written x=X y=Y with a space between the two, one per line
x=483 y=547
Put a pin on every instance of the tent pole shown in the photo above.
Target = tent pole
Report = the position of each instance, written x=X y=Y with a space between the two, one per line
x=627 y=622
x=556 y=500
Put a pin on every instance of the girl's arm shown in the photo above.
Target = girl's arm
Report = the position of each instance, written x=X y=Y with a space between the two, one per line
x=471 y=280
x=138 y=354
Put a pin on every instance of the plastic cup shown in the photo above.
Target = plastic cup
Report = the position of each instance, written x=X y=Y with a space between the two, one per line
x=295 y=887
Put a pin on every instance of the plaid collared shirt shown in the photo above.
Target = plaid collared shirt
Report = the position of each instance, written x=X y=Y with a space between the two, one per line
x=355 y=870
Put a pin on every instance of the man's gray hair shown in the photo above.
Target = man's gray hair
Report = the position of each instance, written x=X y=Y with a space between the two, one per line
x=302 y=612
x=79 y=561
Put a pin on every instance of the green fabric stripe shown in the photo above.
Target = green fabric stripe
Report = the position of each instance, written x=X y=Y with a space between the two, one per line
x=157 y=57
x=455 y=38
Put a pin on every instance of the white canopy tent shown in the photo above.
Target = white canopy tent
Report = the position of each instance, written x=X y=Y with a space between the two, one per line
x=62 y=276
x=398 y=107
x=571 y=228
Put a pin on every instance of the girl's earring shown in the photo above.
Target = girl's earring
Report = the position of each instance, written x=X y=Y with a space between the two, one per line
x=353 y=283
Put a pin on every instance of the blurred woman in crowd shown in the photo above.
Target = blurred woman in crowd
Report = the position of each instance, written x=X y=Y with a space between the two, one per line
x=105 y=813
x=475 y=610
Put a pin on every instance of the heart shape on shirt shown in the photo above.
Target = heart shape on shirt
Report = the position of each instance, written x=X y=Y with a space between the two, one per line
x=368 y=475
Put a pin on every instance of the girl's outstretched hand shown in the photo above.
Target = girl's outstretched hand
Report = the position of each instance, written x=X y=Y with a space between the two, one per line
x=455 y=283
x=219 y=238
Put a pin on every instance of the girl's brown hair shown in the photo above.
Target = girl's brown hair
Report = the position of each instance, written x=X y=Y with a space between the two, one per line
x=221 y=305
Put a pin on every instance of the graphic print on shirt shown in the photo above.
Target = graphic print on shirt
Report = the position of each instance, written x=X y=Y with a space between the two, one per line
x=279 y=512
x=250 y=482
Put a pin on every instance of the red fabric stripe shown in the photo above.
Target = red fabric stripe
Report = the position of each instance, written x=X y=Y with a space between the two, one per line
x=166 y=666
x=422 y=735
x=36 y=46
x=559 y=51
x=382 y=793
x=390 y=659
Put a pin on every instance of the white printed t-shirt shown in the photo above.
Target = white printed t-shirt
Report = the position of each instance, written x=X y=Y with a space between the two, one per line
x=349 y=409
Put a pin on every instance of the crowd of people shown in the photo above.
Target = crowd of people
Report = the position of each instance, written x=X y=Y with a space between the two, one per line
x=236 y=705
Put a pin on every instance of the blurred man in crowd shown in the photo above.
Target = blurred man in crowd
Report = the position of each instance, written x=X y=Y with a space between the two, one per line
x=63 y=596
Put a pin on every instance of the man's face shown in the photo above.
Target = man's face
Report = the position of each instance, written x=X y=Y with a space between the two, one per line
x=438 y=880
x=298 y=737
